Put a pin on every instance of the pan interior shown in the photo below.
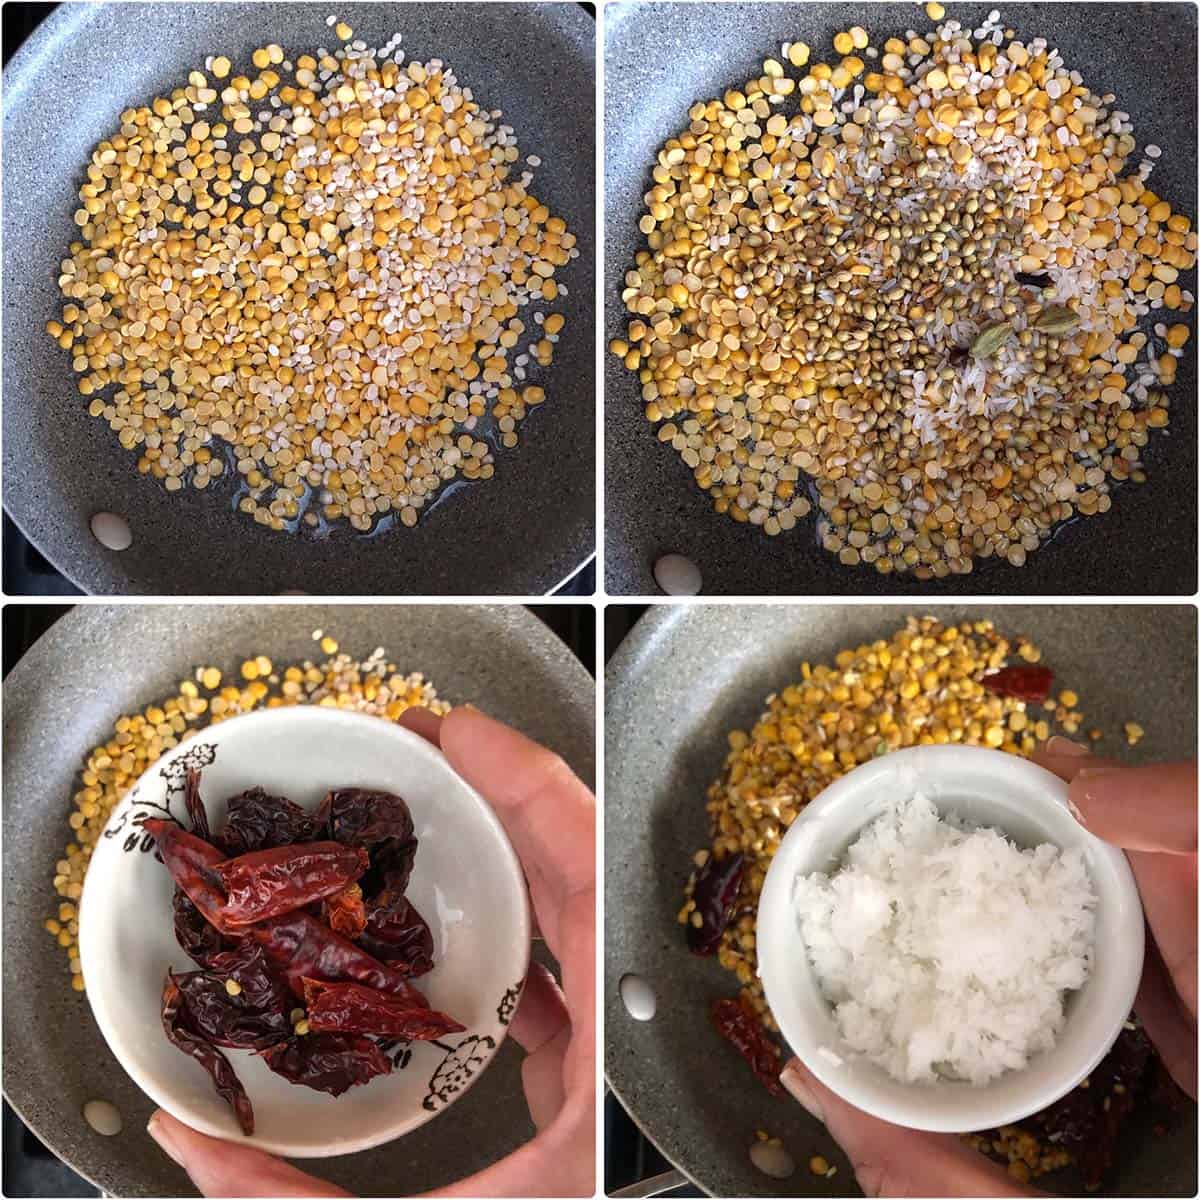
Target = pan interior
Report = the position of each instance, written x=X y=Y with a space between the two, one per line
x=1146 y=544
x=684 y=678
x=103 y=660
x=535 y=62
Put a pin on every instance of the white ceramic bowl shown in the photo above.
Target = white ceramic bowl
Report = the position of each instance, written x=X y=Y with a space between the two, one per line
x=466 y=883
x=985 y=787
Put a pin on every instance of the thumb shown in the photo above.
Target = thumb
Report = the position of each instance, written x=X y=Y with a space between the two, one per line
x=220 y=1168
x=1139 y=808
x=890 y=1160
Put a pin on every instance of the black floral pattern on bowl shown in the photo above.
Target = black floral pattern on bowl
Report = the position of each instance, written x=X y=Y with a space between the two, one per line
x=131 y=818
x=461 y=1064
x=508 y=1002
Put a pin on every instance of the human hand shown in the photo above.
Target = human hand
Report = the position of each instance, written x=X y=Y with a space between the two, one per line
x=550 y=817
x=1150 y=812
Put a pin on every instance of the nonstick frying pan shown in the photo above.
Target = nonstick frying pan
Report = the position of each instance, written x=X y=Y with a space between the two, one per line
x=63 y=696
x=683 y=679
x=521 y=533
x=1144 y=54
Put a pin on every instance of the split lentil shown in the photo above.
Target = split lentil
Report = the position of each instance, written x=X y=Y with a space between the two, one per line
x=908 y=297
x=373 y=685
x=321 y=283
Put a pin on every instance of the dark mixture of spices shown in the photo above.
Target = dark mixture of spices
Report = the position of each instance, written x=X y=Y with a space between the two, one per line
x=305 y=940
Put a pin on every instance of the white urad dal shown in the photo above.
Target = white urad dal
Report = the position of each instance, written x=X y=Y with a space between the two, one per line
x=947 y=951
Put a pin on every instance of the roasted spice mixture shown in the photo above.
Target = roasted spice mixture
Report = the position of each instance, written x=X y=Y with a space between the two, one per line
x=373 y=685
x=917 y=288
x=320 y=273
x=921 y=686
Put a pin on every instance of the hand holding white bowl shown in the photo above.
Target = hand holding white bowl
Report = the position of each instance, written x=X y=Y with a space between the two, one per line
x=549 y=816
x=1159 y=835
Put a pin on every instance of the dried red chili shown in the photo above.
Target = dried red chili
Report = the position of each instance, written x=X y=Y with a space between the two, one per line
x=353 y=1008
x=397 y=934
x=1087 y=1119
x=271 y=919
x=301 y=947
x=345 y=912
x=328 y=1062
x=257 y=820
x=738 y=1023
x=207 y=1055
x=199 y=940
x=268 y=883
x=195 y=806
x=253 y=1016
x=715 y=893
x=1031 y=684
x=381 y=823
x=364 y=817
x=192 y=863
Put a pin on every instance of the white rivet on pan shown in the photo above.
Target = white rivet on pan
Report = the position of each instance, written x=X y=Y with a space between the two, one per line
x=638 y=997
x=677 y=576
x=102 y=1117
x=111 y=531
x=772 y=1159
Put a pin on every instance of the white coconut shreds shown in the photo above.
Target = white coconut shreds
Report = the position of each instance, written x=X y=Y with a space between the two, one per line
x=947 y=951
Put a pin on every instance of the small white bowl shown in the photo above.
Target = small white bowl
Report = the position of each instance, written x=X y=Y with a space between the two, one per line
x=467 y=884
x=985 y=787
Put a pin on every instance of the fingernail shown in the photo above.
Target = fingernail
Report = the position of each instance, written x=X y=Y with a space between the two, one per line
x=1075 y=811
x=159 y=1132
x=1067 y=748
x=792 y=1077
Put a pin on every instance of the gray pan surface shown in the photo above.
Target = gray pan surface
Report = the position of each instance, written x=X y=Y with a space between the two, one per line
x=1143 y=53
x=63 y=92
x=63 y=696
x=685 y=677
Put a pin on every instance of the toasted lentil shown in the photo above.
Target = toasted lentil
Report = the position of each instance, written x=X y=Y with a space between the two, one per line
x=832 y=310
x=372 y=685
x=320 y=284
x=1026 y=1156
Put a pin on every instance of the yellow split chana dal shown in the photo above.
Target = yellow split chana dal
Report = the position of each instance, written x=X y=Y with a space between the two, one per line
x=320 y=273
x=909 y=287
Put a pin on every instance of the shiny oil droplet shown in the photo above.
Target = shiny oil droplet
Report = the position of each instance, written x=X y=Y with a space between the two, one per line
x=677 y=576
x=102 y=1117
x=111 y=531
x=638 y=997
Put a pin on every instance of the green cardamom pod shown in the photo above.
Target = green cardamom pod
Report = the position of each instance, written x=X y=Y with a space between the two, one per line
x=1056 y=319
x=990 y=338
